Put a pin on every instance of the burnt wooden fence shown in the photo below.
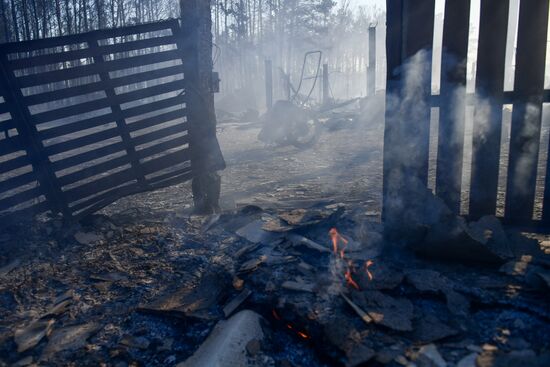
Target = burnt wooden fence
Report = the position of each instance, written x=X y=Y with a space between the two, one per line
x=86 y=119
x=410 y=29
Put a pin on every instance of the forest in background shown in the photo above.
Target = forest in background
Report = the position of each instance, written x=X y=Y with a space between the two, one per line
x=246 y=33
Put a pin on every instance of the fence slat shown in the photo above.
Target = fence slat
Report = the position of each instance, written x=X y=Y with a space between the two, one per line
x=453 y=92
x=101 y=85
x=98 y=104
x=38 y=44
x=93 y=170
x=160 y=133
x=527 y=112
x=156 y=120
x=81 y=141
x=162 y=147
x=487 y=127
x=84 y=53
x=17 y=181
x=87 y=156
x=15 y=163
x=99 y=185
x=20 y=197
x=93 y=69
x=406 y=143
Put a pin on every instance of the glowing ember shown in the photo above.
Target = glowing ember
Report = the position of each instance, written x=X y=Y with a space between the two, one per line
x=301 y=334
x=339 y=244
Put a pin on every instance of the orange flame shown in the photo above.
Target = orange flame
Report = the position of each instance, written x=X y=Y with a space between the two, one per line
x=367 y=264
x=337 y=237
x=339 y=244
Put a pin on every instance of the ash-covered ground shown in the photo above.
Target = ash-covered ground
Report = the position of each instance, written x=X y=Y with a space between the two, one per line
x=145 y=282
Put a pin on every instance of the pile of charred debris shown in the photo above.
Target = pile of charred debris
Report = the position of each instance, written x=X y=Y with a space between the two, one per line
x=326 y=285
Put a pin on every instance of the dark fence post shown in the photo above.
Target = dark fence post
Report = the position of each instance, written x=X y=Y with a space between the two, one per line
x=206 y=158
x=527 y=113
x=487 y=128
x=371 y=70
x=409 y=41
x=268 y=84
x=452 y=106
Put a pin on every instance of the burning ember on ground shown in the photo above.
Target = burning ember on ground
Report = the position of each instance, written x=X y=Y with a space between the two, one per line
x=301 y=334
x=339 y=245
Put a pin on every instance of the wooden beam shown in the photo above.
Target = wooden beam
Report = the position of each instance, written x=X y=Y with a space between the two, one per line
x=409 y=41
x=452 y=111
x=493 y=29
x=527 y=113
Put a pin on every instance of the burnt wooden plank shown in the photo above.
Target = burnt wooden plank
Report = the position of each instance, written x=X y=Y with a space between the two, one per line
x=101 y=85
x=137 y=45
x=162 y=147
x=171 y=178
x=77 y=126
x=20 y=197
x=49 y=59
x=96 y=68
x=156 y=120
x=451 y=113
x=488 y=122
x=166 y=161
x=159 y=134
x=99 y=185
x=30 y=211
x=91 y=171
x=409 y=42
x=38 y=44
x=527 y=113
x=115 y=99
x=14 y=163
x=153 y=106
x=100 y=201
x=11 y=145
x=17 y=181
x=87 y=156
x=84 y=53
x=81 y=141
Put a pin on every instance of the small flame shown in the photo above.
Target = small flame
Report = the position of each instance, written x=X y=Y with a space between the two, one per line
x=336 y=238
x=368 y=263
x=339 y=245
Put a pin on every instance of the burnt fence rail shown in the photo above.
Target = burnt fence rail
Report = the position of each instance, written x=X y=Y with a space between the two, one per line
x=88 y=118
x=410 y=30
